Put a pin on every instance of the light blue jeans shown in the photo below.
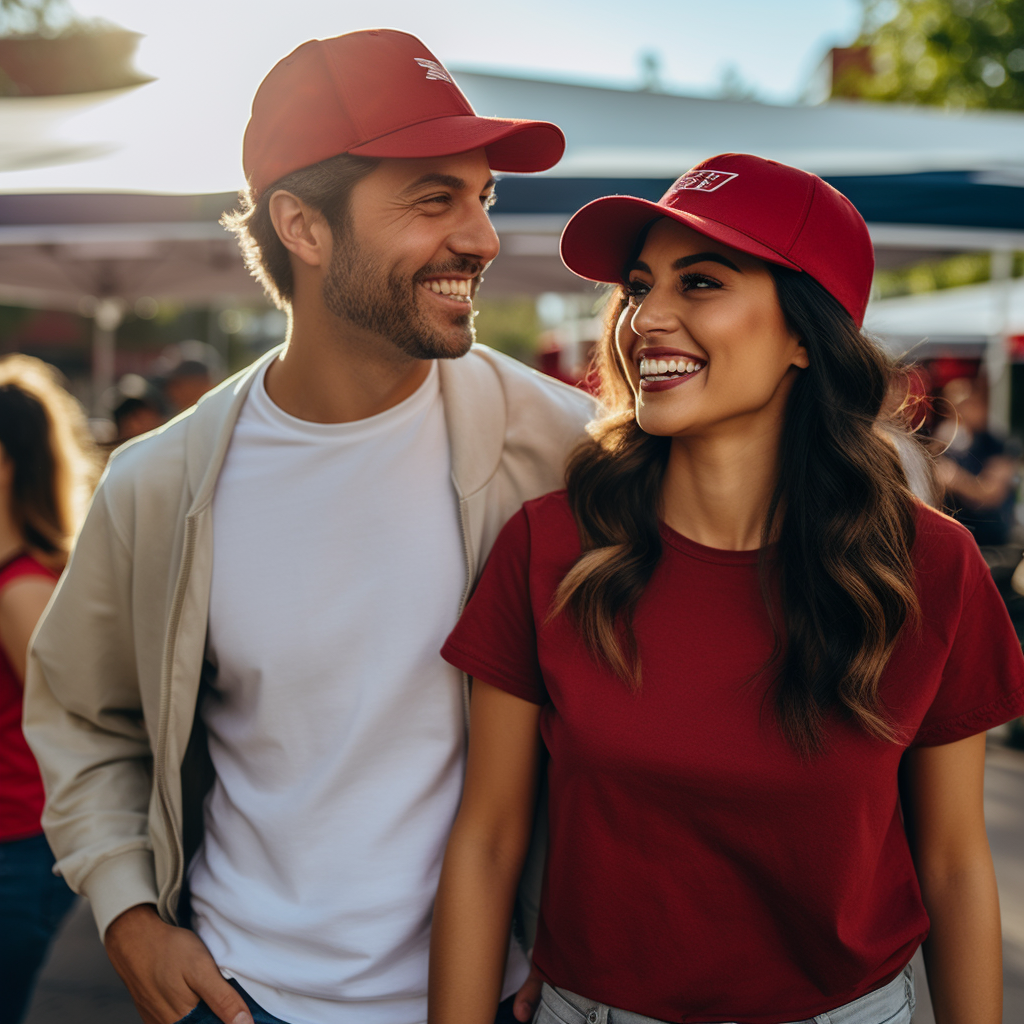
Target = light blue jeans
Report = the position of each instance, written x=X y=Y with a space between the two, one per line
x=891 y=1004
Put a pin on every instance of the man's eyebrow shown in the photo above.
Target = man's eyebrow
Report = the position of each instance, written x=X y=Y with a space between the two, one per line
x=456 y=184
x=701 y=257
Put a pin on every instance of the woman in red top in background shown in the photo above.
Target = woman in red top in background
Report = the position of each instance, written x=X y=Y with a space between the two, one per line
x=761 y=669
x=45 y=472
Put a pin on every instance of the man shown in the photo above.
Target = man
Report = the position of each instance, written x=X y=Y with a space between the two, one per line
x=257 y=599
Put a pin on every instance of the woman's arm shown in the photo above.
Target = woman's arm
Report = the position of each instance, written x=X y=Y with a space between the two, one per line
x=22 y=603
x=944 y=810
x=484 y=859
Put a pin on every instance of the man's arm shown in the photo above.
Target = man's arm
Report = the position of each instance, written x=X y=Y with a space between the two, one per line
x=89 y=726
x=85 y=723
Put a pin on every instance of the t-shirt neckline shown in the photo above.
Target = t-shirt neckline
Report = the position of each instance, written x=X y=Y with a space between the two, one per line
x=415 y=404
x=719 y=556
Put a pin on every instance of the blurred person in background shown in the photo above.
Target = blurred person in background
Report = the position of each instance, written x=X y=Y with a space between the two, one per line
x=186 y=384
x=135 y=416
x=976 y=470
x=760 y=668
x=253 y=749
x=46 y=470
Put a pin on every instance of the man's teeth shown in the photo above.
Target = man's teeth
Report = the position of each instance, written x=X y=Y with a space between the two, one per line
x=660 y=367
x=456 y=287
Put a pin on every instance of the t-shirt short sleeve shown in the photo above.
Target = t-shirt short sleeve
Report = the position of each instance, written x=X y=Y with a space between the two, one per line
x=495 y=640
x=982 y=682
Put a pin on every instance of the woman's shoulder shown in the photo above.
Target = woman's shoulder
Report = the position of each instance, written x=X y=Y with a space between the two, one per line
x=545 y=528
x=551 y=514
x=24 y=565
x=945 y=548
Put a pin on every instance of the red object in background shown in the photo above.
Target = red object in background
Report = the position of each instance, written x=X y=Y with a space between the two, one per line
x=550 y=362
x=948 y=368
x=1015 y=343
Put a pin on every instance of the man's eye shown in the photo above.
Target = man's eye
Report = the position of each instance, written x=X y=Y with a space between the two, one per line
x=489 y=200
x=443 y=198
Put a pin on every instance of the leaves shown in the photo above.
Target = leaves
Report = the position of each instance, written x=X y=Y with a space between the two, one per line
x=952 y=53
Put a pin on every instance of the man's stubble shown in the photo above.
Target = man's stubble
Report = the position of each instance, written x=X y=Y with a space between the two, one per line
x=358 y=288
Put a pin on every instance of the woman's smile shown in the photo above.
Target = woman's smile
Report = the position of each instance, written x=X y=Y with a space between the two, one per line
x=663 y=368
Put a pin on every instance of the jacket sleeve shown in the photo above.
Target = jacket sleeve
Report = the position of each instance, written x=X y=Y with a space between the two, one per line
x=85 y=722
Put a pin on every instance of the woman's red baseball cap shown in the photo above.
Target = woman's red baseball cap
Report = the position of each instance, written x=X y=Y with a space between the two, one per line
x=777 y=213
x=377 y=93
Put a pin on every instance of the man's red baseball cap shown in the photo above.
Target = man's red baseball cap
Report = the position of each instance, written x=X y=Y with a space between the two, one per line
x=377 y=93
x=777 y=213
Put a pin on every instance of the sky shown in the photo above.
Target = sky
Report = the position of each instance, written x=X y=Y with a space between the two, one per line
x=773 y=44
x=209 y=56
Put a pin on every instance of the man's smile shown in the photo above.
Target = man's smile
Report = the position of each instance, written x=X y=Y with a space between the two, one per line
x=453 y=289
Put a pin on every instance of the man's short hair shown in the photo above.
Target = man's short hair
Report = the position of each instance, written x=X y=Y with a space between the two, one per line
x=326 y=186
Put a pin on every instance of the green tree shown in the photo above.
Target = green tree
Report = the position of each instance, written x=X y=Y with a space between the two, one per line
x=35 y=17
x=951 y=53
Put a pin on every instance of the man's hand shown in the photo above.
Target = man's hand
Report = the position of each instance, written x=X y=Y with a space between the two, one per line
x=168 y=970
x=527 y=998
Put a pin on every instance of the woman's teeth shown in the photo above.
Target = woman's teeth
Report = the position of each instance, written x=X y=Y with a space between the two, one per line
x=456 y=287
x=660 y=369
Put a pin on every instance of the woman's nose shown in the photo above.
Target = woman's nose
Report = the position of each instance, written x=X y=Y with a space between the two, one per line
x=653 y=315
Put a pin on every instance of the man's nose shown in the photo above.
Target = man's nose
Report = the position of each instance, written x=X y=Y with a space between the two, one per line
x=475 y=236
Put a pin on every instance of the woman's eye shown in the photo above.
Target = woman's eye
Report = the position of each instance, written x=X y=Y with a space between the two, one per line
x=698 y=282
x=636 y=290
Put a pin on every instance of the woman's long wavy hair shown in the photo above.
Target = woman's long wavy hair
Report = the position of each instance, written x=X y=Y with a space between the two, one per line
x=840 y=586
x=53 y=460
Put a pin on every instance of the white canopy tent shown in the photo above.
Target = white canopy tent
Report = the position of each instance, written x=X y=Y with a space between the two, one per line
x=143 y=142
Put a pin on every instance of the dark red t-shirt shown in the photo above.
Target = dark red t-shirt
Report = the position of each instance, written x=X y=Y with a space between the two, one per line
x=699 y=869
x=21 y=788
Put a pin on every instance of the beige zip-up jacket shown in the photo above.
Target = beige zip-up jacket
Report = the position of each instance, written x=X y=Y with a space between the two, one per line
x=117 y=663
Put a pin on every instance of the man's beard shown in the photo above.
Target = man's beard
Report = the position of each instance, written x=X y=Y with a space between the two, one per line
x=357 y=288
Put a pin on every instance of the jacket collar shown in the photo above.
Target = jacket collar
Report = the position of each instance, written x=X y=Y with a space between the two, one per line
x=211 y=423
x=475 y=411
x=474 y=406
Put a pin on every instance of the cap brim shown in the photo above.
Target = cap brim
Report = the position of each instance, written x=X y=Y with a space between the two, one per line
x=512 y=145
x=599 y=239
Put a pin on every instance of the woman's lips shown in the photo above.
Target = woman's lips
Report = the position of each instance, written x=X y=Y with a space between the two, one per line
x=664 y=383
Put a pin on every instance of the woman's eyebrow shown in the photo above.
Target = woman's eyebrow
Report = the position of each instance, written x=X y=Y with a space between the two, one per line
x=701 y=257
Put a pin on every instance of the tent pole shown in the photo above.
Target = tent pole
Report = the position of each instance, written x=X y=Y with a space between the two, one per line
x=106 y=319
x=997 y=355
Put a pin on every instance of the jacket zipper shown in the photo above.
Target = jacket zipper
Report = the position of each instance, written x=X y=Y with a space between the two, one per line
x=467 y=545
x=160 y=766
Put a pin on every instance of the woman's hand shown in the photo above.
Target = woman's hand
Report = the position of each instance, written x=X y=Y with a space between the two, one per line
x=944 y=810
x=484 y=859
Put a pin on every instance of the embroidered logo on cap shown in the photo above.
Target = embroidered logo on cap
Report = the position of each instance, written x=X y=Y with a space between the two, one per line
x=435 y=73
x=705 y=180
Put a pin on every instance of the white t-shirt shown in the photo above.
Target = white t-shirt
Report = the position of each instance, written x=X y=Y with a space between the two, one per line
x=335 y=728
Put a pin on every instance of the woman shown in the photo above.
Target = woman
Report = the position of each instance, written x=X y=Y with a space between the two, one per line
x=746 y=646
x=45 y=472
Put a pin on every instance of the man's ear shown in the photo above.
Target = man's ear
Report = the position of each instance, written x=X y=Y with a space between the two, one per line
x=302 y=229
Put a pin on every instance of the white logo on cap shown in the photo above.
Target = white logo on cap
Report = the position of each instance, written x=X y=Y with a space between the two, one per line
x=435 y=73
x=705 y=180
